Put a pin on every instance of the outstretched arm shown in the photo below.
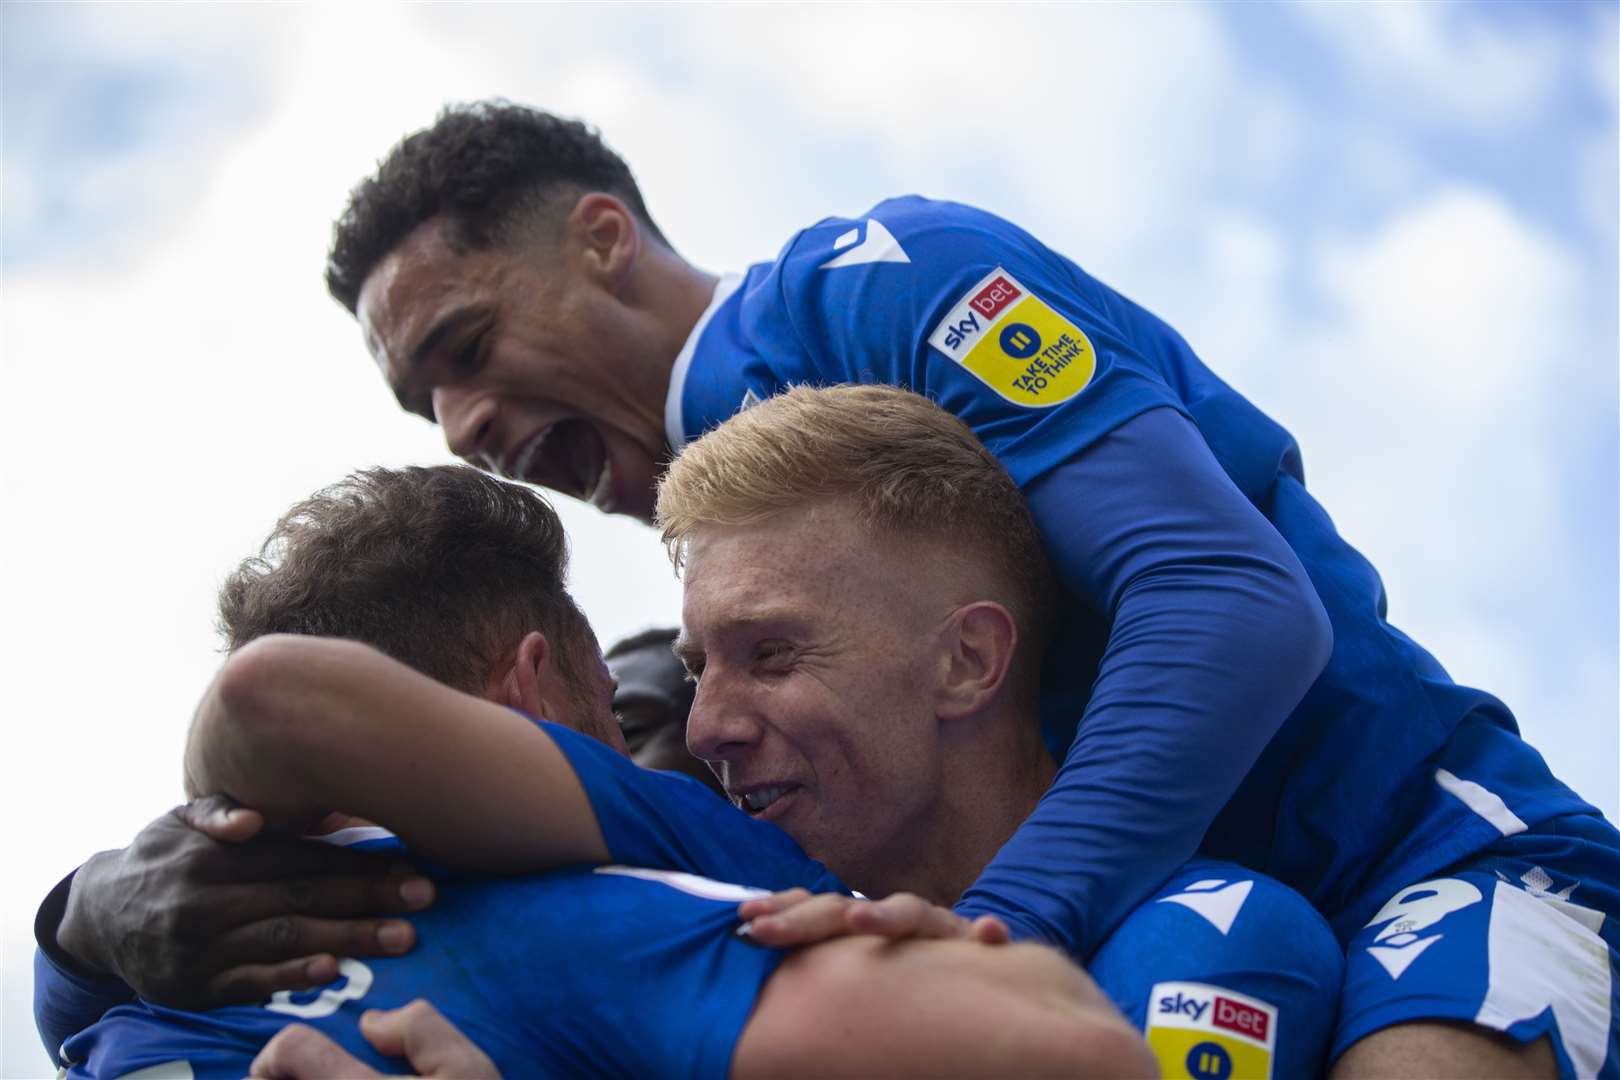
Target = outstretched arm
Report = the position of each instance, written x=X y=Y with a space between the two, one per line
x=1215 y=635
x=300 y=726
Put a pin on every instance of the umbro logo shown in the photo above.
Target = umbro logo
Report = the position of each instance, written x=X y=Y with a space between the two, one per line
x=878 y=246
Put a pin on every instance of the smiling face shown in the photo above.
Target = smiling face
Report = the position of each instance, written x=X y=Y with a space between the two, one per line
x=534 y=369
x=817 y=653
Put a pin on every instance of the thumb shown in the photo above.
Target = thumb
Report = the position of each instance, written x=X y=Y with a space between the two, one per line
x=222 y=818
x=421 y=1035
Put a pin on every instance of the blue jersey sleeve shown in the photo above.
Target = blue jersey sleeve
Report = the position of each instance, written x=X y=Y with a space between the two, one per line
x=1039 y=358
x=667 y=821
x=66 y=1000
x=1216 y=634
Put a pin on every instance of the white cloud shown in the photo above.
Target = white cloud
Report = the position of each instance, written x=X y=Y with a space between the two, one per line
x=1603 y=55
x=1462 y=300
x=171 y=402
x=1447 y=62
x=1435 y=399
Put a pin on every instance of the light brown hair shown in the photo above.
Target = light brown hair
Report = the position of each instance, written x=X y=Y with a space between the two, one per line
x=904 y=464
x=443 y=568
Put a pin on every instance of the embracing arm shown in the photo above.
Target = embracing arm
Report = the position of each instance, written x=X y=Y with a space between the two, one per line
x=1215 y=635
x=299 y=726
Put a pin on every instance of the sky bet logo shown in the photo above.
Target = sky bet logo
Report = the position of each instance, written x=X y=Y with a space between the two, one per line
x=981 y=311
x=995 y=296
x=1184 y=1005
x=1228 y=1014
x=1208 y=1032
x=1011 y=341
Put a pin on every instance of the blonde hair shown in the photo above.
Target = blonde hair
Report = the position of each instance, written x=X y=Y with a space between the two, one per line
x=904 y=464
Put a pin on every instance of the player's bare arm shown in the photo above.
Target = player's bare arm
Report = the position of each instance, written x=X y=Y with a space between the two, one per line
x=297 y=727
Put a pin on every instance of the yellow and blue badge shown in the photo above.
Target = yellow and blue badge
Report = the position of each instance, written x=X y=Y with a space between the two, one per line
x=1015 y=344
x=1203 y=1032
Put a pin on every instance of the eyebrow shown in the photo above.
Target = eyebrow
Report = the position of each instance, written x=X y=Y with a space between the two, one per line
x=685 y=649
x=405 y=389
x=445 y=328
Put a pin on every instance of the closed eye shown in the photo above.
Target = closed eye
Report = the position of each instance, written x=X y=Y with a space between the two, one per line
x=773 y=655
x=469 y=358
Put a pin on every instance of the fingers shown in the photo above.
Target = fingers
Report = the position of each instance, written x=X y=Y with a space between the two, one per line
x=770 y=905
x=802 y=921
x=795 y=918
x=299 y=1052
x=271 y=858
x=222 y=818
x=324 y=898
x=434 y=1046
x=256 y=960
x=904 y=915
x=989 y=930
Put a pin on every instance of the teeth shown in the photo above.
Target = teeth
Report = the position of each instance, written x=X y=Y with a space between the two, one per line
x=759 y=800
x=604 y=485
x=519 y=469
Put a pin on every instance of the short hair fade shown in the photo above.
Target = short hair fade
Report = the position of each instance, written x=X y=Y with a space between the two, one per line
x=481 y=165
x=903 y=463
x=443 y=568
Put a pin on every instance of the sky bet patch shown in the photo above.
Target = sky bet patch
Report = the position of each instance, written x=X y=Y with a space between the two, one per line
x=1204 y=1032
x=1015 y=344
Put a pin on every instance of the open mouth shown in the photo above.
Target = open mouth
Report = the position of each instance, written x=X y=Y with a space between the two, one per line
x=569 y=456
x=759 y=800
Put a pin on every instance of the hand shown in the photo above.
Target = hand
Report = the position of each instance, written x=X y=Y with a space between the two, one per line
x=796 y=917
x=200 y=911
x=419 y=1033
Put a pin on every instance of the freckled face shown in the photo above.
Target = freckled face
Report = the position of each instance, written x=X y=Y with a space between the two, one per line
x=814 y=647
x=533 y=371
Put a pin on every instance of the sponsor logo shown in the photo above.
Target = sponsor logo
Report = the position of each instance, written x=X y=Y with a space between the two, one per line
x=957 y=332
x=1204 y=1032
x=1209 y=1061
x=1236 y=1016
x=1035 y=358
x=995 y=296
x=1183 y=1005
x=1020 y=341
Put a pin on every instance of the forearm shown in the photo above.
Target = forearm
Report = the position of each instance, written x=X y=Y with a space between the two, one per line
x=70 y=993
x=1216 y=634
x=935 y=1008
x=297 y=727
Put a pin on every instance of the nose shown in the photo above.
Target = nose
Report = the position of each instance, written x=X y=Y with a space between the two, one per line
x=719 y=726
x=468 y=419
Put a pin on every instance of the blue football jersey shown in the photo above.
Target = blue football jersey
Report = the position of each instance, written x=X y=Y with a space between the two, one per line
x=1048 y=366
x=586 y=972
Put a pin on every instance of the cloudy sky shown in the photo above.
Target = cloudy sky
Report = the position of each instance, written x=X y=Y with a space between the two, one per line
x=1394 y=227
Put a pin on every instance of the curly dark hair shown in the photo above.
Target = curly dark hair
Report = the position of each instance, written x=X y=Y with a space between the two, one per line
x=482 y=164
x=443 y=568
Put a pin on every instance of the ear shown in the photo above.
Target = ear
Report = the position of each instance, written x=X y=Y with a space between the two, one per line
x=523 y=683
x=979 y=639
x=603 y=235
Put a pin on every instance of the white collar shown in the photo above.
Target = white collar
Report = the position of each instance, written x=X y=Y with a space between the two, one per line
x=673 y=430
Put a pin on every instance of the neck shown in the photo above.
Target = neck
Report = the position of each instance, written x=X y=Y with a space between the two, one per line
x=675 y=293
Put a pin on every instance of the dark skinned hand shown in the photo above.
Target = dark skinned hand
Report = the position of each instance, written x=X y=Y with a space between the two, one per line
x=202 y=911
